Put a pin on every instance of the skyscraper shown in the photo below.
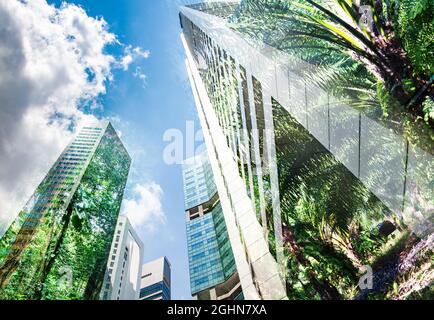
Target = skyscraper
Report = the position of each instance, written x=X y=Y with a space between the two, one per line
x=301 y=176
x=124 y=266
x=257 y=271
x=213 y=272
x=156 y=280
x=58 y=246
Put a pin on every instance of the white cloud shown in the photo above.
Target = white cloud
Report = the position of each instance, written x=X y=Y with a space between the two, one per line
x=144 y=209
x=138 y=73
x=132 y=54
x=126 y=61
x=52 y=61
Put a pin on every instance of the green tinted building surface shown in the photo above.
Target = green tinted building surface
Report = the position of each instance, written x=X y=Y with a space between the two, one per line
x=58 y=246
x=211 y=261
x=333 y=186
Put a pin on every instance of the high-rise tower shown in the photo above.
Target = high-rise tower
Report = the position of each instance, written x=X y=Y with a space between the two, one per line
x=307 y=182
x=213 y=272
x=257 y=271
x=124 y=266
x=58 y=246
x=155 y=283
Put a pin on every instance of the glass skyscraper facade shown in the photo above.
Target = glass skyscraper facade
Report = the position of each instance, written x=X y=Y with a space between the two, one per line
x=211 y=261
x=199 y=184
x=306 y=182
x=58 y=246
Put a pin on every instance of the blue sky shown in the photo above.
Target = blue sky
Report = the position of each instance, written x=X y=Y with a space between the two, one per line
x=144 y=111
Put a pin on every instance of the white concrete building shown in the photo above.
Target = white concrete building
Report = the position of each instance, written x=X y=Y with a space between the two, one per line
x=122 y=280
x=155 y=282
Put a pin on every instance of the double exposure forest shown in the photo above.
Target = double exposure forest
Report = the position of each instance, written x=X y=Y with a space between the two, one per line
x=63 y=254
x=350 y=156
x=376 y=57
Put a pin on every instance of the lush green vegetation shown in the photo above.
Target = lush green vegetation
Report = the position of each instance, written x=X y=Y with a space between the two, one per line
x=384 y=68
x=332 y=225
x=66 y=256
x=329 y=217
x=386 y=61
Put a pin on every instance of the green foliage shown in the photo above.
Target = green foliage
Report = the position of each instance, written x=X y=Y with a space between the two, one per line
x=349 y=59
x=67 y=256
x=413 y=22
x=368 y=244
x=384 y=98
x=329 y=217
x=426 y=293
x=95 y=207
x=332 y=215
x=428 y=109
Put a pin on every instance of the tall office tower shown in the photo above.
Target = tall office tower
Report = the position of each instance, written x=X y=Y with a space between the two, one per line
x=124 y=266
x=310 y=188
x=58 y=246
x=213 y=273
x=155 y=282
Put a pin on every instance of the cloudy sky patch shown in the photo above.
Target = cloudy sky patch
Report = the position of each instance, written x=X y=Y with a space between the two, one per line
x=52 y=61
